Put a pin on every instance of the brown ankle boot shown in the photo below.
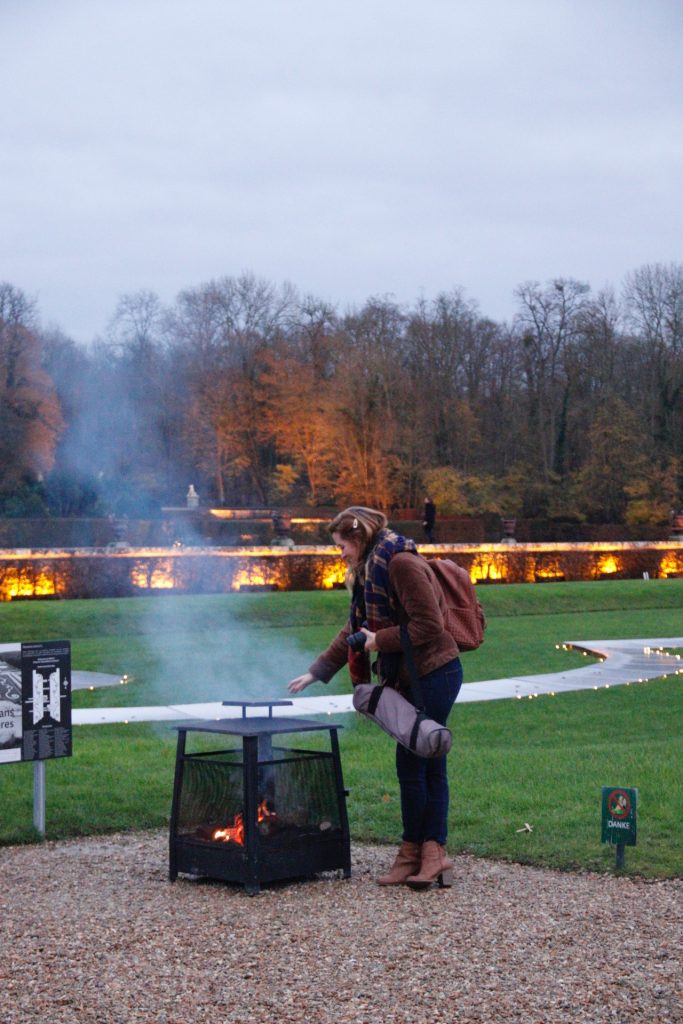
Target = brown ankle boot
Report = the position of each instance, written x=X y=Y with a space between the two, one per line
x=435 y=866
x=407 y=863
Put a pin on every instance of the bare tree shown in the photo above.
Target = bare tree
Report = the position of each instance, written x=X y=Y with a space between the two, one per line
x=547 y=323
x=654 y=305
x=367 y=402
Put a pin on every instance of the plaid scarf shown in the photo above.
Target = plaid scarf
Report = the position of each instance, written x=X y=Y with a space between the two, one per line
x=372 y=601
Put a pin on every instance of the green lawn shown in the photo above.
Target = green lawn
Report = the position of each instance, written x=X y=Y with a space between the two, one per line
x=542 y=761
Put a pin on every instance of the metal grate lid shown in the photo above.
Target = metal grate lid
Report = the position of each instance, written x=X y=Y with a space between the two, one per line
x=270 y=704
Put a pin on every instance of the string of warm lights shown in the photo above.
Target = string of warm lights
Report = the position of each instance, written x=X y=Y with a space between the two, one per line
x=648 y=651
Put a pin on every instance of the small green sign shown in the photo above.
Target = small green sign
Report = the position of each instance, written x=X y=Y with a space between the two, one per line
x=619 y=815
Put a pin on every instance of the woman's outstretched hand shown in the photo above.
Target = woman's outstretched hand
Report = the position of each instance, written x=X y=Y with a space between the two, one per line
x=300 y=683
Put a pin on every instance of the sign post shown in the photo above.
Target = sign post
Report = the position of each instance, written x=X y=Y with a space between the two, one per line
x=35 y=710
x=39 y=796
x=619 y=807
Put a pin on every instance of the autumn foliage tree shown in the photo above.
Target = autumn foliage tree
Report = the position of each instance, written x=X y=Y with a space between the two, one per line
x=258 y=395
x=30 y=415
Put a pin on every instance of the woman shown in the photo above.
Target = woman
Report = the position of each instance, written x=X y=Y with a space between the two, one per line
x=392 y=585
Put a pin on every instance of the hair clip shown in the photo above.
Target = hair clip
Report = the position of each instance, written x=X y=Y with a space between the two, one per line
x=354 y=524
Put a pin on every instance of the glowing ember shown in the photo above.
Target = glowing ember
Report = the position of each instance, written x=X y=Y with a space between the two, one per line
x=235 y=833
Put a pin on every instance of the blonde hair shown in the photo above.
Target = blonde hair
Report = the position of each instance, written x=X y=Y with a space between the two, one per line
x=358 y=523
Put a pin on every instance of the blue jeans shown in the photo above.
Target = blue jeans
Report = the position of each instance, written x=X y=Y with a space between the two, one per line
x=423 y=782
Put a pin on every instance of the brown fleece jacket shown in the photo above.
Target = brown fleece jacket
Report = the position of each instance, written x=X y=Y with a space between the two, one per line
x=420 y=605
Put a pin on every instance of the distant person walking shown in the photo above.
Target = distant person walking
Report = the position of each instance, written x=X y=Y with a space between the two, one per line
x=429 y=520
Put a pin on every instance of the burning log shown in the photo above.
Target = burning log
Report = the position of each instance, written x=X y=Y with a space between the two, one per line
x=266 y=821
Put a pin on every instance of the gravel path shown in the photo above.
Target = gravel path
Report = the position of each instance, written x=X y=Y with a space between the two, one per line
x=92 y=932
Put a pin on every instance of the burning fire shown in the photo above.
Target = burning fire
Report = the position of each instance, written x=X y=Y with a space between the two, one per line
x=235 y=833
x=254 y=576
x=332 y=575
x=488 y=567
x=608 y=564
x=261 y=515
x=22 y=583
x=671 y=565
x=545 y=569
x=156 y=576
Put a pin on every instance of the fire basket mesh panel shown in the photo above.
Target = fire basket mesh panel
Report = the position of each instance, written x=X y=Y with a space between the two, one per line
x=300 y=788
x=212 y=793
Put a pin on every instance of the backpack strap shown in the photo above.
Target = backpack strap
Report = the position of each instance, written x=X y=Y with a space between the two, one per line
x=415 y=688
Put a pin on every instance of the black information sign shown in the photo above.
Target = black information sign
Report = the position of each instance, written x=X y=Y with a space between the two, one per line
x=10 y=703
x=46 y=700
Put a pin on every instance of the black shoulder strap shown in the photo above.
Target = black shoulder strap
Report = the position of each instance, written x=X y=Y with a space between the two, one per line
x=415 y=688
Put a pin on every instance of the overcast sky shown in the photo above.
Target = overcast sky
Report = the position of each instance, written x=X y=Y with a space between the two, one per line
x=352 y=148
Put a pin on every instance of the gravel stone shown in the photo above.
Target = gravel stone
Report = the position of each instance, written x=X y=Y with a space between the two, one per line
x=92 y=932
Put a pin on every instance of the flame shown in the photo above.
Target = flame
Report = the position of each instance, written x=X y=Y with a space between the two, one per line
x=608 y=564
x=49 y=573
x=547 y=569
x=22 y=583
x=488 y=567
x=156 y=576
x=235 y=833
x=261 y=515
x=333 y=574
x=671 y=565
x=254 y=576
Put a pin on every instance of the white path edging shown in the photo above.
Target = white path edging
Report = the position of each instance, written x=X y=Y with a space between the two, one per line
x=621 y=662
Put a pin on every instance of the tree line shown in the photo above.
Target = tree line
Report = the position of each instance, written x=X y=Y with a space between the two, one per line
x=259 y=395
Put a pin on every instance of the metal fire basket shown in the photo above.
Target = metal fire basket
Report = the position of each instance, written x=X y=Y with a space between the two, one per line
x=254 y=811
